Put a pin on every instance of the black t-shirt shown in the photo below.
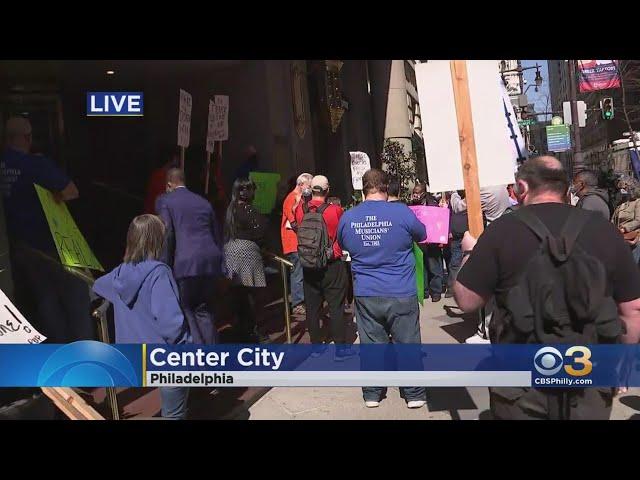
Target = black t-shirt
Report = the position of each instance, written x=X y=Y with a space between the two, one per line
x=503 y=250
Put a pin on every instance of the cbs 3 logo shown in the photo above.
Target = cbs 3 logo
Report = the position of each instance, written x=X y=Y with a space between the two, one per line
x=549 y=361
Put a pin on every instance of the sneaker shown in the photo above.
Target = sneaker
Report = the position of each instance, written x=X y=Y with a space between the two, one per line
x=478 y=339
x=436 y=297
x=343 y=353
x=299 y=310
x=416 y=403
x=371 y=404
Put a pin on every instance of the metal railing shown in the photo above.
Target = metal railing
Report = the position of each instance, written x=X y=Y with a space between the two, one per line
x=100 y=315
x=285 y=265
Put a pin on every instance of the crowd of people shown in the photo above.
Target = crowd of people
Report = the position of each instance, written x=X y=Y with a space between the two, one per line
x=164 y=290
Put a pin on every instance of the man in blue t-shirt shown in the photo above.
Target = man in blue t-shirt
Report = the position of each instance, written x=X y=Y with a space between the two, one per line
x=379 y=237
x=57 y=303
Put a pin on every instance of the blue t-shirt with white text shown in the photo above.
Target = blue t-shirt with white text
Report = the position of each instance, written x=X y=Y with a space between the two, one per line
x=26 y=221
x=379 y=237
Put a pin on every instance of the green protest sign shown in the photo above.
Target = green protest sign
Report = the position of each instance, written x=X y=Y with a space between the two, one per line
x=266 y=190
x=70 y=243
x=418 y=255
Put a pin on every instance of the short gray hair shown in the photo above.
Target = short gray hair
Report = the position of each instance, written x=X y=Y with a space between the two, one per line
x=304 y=178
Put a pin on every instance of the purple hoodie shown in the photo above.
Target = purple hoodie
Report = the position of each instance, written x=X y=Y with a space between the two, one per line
x=146 y=303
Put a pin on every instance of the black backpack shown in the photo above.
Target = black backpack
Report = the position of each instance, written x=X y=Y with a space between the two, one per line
x=314 y=248
x=561 y=295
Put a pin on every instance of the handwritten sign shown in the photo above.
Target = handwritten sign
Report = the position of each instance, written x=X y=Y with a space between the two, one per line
x=14 y=328
x=360 y=163
x=266 y=190
x=218 y=126
x=184 y=119
x=436 y=221
x=73 y=249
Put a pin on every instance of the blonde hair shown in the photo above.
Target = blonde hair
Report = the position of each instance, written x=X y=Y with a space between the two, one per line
x=145 y=239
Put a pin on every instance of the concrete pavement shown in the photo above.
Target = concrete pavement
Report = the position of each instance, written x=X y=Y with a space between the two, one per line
x=440 y=322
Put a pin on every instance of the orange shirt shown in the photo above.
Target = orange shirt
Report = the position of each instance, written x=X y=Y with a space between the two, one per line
x=288 y=236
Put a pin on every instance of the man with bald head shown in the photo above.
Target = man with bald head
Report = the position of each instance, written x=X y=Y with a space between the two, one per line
x=193 y=250
x=56 y=302
x=503 y=263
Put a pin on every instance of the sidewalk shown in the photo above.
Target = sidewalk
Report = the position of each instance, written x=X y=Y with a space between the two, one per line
x=440 y=323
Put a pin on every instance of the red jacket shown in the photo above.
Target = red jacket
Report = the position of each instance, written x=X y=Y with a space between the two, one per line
x=331 y=217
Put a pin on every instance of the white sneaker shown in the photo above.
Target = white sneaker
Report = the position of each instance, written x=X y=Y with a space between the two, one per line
x=372 y=404
x=478 y=339
x=416 y=403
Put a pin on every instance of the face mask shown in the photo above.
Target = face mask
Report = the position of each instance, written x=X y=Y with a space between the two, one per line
x=624 y=191
x=306 y=192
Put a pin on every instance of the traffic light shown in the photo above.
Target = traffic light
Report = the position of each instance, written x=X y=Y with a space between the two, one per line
x=606 y=106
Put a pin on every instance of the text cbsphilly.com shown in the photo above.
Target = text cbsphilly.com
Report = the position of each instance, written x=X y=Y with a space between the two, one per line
x=569 y=382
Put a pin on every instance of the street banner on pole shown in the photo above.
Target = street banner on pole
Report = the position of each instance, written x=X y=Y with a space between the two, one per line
x=360 y=163
x=598 y=75
x=14 y=328
x=558 y=138
x=441 y=127
x=72 y=247
x=184 y=119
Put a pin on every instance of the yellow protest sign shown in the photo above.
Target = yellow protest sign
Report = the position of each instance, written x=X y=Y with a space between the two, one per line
x=73 y=249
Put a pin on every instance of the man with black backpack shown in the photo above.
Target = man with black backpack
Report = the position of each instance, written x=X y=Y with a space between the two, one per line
x=560 y=275
x=324 y=273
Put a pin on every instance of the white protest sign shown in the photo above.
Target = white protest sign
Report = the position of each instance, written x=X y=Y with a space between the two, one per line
x=184 y=119
x=440 y=125
x=218 y=123
x=14 y=328
x=360 y=163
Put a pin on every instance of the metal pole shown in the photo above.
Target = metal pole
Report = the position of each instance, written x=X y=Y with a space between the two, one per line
x=578 y=162
x=284 y=271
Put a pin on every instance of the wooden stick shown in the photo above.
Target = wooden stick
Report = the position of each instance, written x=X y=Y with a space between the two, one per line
x=71 y=404
x=469 y=158
x=208 y=168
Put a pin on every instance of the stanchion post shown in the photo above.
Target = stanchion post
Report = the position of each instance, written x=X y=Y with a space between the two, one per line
x=284 y=271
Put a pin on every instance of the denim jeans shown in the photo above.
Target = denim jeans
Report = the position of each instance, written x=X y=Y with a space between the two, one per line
x=434 y=268
x=635 y=251
x=455 y=247
x=379 y=317
x=295 y=280
x=174 y=402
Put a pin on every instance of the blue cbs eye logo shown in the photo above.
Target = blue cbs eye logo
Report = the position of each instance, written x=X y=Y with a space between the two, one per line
x=548 y=361
x=87 y=364
x=576 y=361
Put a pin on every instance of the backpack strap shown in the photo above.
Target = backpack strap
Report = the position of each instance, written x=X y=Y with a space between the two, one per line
x=533 y=222
x=573 y=226
x=322 y=208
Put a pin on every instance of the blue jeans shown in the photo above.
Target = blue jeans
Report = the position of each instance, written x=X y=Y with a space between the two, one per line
x=434 y=268
x=379 y=317
x=174 y=402
x=455 y=261
x=295 y=280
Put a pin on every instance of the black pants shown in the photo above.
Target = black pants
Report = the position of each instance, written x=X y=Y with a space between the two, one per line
x=510 y=403
x=196 y=294
x=244 y=306
x=328 y=284
x=54 y=301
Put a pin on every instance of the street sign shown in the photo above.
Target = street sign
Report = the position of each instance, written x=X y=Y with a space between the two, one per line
x=528 y=121
x=558 y=138
x=582 y=113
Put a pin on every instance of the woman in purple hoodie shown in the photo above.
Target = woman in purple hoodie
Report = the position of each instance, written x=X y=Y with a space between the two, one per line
x=146 y=301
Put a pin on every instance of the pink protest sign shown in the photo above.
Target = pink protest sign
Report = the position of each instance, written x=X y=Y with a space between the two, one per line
x=436 y=220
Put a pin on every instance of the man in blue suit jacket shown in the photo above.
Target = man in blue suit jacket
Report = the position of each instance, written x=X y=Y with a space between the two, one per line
x=192 y=249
